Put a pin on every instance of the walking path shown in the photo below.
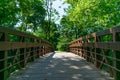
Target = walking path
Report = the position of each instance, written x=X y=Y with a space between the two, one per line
x=60 y=66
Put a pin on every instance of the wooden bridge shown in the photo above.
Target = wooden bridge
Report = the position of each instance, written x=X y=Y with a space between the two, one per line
x=36 y=60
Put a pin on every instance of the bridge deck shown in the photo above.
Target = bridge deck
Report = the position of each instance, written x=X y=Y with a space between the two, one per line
x=60 y=66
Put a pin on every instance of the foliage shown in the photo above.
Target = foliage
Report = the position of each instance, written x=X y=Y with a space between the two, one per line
x=91 y=15
x=63 y=43
x=8 y=13
x=43 y=32
x=88 y=16
x=84 y=17
x=24 y=14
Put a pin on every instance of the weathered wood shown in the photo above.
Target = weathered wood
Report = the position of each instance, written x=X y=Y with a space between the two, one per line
x=15 y=32
x=102 y=45
x=96 y=51
x=20 y=52
x=114 y=54
x=16 y=45
x=1 y=65
x=69 y=67
x=104 y=32
x=116 y=37
x=1 y=57
x=105 y=54
x=116 y=29
x=4 y=54
x=93 y=35
x=1 y=35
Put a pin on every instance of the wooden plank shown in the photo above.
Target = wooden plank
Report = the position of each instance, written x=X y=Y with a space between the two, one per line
x=114 y=55
x=102 y=45
x=107 y=61
x=1 y=65
x=6 y=45
x=18 y=33
x=91 y=36
x=77 y=40
x=4 y=54
x=116 y=29
x=101 y=33
x=104 y=32
x=98 y=45
x=88 y=45
x=108 y=45
x=16 y=45
x=1 y=35
x=116 y=37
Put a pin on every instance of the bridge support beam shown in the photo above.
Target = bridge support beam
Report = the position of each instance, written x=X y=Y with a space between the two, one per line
x=116 y=38
x=97 y=52
x=17 y=49
x=22 y=58
x=3 y=57
x=22 y=53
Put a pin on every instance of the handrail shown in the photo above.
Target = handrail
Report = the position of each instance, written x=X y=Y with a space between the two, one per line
x=103 y=53
x=17 y=49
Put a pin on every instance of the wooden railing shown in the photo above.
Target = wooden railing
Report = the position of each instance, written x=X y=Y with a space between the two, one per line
x=101 y=48
x=17 y=49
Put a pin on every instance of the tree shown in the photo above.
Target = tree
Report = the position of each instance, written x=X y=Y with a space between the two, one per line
x=24 y=14
x=43 y=33
x=93 y=15
x=32 y=14
x=8 y=13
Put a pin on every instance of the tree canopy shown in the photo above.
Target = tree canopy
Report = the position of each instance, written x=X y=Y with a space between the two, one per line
x=38 y=17
x=89 y=16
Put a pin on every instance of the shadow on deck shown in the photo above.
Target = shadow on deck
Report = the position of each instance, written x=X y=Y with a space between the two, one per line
x=60 y=66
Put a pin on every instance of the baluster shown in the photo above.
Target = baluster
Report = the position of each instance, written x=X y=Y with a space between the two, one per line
x=4 y=55
x=116 y=54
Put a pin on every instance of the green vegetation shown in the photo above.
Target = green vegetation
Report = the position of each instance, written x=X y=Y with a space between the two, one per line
x=88 y=16
x=31 y=16
x=83 y=17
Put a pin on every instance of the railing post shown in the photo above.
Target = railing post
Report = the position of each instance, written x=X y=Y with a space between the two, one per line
x=32 y=51
x=88 y=51
x=95 y=40
x=116 y=54
x=38 y=48
x=22 y=53
x=83 y=48
x=41 y=50
x=35 y=52
x=97 y=51
x=38 y=52
x=3 y=55
x=44 y=50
